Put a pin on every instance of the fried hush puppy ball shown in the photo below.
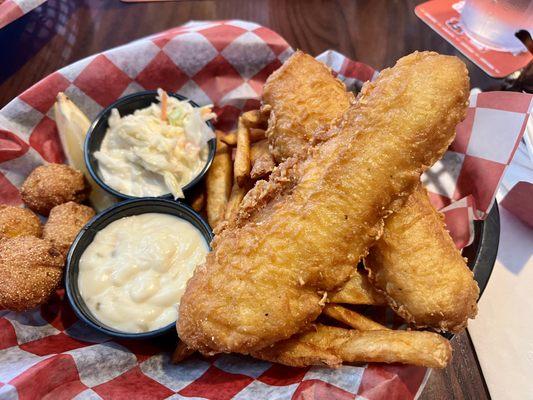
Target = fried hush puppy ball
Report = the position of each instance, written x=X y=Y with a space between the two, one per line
x=16 y=221
x=64 y=223
x=53 y=184
x=30 y=271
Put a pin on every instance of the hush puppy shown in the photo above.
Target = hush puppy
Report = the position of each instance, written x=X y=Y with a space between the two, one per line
x=64 y=223
x=17 y=221
x=53 y=184
x=30 y=271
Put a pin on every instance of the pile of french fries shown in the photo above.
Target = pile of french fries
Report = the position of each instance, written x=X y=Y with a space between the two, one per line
x=243 y=157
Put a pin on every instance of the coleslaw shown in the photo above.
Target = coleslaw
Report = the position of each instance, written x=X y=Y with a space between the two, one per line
x=156 y=150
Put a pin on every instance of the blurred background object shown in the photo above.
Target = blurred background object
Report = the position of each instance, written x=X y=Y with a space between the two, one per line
x=449 y=18
x=493 y=23
x=23 y=38
x=522 y=80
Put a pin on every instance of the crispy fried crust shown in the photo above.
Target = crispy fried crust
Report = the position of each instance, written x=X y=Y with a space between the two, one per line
x=265 y=279
x=17 y=221
x=444 y=307
x=65 y=222
x=305 y=100
x=417 y=266
x=30 y=270
x=333 y=344
x=262 y=161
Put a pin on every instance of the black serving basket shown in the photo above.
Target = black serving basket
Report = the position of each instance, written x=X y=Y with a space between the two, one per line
x=482 y=252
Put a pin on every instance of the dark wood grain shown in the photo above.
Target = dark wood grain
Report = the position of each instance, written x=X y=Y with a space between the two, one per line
x=63 y=31
x=376 y=32
x=462 y=379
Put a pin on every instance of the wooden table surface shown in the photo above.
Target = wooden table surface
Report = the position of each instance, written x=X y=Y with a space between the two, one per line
x=376 y=32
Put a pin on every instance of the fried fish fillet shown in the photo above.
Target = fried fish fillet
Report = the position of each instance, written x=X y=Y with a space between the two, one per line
x=443 y=300
x=416 y=264
x=304 y=99
x=302 y=233
x=328 y=345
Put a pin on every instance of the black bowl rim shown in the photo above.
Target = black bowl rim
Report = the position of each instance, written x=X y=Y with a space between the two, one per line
x=112 y=210
x=92 y=169
x=482 y=252
x=486 y=242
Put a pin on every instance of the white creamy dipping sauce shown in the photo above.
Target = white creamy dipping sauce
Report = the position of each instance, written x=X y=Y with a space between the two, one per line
x=133 y=274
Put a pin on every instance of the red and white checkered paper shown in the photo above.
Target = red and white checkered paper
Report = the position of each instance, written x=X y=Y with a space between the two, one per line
x=10 y=10
x=48 y=352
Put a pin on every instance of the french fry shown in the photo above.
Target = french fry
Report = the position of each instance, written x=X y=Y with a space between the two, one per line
x=218 y=183
x=261 y=159
x=351 y=318
x=254 y=119
x=229 y=139
x=257 y=135
x=198 y=200
x=241 y=166
x=197 y=197
x=297 y=353
x=181 y=353
x=358 y=291
x=235 y=199
x=426 y=349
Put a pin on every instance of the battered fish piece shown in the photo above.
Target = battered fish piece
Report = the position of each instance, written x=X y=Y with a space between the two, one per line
x=64 y=224
x=17 y=221
x=30 y=271
x=417 y=266
x=304 y=99
x=52 y=184
x=444 y=300
x=328 y=345
x=268 y=275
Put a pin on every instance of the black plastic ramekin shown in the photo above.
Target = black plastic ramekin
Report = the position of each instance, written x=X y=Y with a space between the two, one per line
x=99 y=222
x=128 y=105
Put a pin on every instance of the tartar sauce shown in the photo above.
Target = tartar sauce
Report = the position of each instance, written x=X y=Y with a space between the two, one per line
x=156 y=150
x=133 y=274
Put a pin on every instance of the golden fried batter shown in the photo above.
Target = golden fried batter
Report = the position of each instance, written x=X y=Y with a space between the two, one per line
x=65 y=222
x=17 y=221
x=30 y=271
x=53 y=184
x=305 y=99
x=267 y=276
x=417 y=266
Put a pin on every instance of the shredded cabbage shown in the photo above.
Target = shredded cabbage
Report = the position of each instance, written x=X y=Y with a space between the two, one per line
x=144 y=155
